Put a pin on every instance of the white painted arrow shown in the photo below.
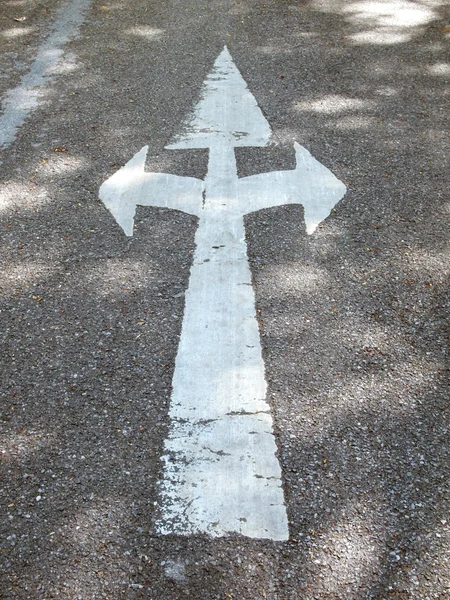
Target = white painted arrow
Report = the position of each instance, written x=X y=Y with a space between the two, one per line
x=221 y=474
x=131 y=186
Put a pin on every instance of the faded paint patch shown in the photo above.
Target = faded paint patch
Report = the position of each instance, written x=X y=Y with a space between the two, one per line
x=21 y=101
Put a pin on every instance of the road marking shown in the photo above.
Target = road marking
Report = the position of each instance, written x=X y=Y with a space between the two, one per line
x=221 y=474
x=25 y=98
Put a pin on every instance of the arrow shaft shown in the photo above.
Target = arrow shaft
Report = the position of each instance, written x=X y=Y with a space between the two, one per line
x=221 y=471
x=220 y=333
x=221 y=180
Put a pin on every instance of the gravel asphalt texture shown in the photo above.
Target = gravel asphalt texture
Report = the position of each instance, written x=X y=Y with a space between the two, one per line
x=354 y=319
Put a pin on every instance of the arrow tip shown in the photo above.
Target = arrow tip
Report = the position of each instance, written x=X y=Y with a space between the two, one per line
x=116 y=192
x=321 y=189
x=227 y=113
x=138 y=160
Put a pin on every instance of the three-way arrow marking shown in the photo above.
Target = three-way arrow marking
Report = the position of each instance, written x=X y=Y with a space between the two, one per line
x=221 y=474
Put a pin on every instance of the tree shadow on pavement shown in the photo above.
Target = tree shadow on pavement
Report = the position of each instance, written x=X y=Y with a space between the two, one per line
x=354 y=319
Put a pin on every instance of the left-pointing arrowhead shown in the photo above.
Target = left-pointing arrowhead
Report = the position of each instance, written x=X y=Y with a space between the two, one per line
x=132 y=186
x=121 y=191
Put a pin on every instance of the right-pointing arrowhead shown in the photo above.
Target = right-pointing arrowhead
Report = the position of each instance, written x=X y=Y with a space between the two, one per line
x=318 y=189
x=310 y=184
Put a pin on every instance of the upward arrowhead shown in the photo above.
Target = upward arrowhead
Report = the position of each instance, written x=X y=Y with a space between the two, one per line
x=227 y=113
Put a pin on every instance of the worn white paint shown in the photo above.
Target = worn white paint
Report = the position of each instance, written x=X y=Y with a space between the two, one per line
x=25 y=98
x=221 y=474
x=227 y=114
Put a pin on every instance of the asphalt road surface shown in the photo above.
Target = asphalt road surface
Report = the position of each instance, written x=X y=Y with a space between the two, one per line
x=353 y=316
